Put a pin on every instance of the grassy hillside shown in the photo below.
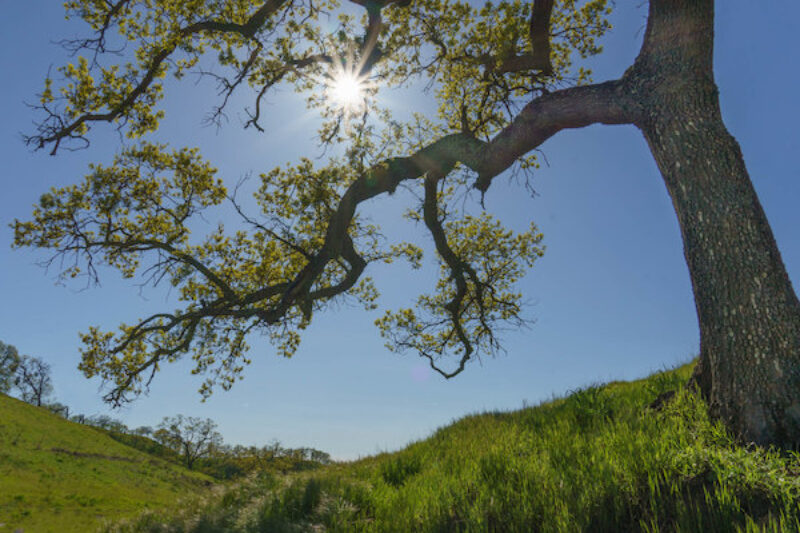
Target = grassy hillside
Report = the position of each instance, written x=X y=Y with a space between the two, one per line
x=59 y=476
x=599 y=460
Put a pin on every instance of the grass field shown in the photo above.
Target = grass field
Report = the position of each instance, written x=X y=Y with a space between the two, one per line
x=598 y=460
x=61 y=477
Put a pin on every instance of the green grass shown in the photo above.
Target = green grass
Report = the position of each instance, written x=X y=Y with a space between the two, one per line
x=598 y=460
x=63 y=477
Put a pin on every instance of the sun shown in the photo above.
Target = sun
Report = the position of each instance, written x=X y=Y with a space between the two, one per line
x=346 y=90
x=349 y=89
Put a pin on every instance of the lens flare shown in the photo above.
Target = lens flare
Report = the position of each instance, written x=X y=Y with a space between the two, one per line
x=347 y=90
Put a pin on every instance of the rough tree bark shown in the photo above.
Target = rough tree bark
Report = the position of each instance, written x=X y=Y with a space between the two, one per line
x=748 y=313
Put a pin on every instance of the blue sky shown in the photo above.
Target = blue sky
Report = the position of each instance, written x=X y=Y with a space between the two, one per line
x=611 y=298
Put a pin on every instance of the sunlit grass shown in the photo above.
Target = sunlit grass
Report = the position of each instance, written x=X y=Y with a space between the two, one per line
x=598 y=460
x=64 y=477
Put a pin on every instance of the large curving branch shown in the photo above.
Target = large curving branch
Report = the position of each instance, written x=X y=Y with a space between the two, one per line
x=269 y=305
x=576 y=107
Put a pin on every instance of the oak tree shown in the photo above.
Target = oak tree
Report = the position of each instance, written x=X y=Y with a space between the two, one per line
x=192 y=437
x=507 y=76
x=33 y=380
x=9 y=361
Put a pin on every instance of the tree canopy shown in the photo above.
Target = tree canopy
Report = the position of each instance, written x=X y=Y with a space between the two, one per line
x=190 y=436
x=29 y=375
x=33 y=380
x=505 y=76
x=307 y=247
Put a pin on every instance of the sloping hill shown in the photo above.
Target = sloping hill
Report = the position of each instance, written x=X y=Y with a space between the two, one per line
x=603 y=459
x=63 y=477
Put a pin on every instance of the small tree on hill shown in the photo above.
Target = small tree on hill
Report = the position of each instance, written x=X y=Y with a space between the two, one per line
x=33 y=380
x=9 y=361
x=143 y=431
x=108 y=423
x=58 y=408
x=190 y=436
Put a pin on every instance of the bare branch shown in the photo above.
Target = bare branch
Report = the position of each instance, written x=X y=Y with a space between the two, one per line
x=59 y=131
x=293 y=65
x=98 y=44
x=457 y=269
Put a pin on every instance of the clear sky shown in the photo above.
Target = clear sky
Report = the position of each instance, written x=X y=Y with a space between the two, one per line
x=611 y=298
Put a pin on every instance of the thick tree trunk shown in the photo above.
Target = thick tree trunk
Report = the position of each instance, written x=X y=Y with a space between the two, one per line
x=748 y=313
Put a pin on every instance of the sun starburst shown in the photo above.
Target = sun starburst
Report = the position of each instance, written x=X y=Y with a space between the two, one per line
x=346 y=90
x=346 y=86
